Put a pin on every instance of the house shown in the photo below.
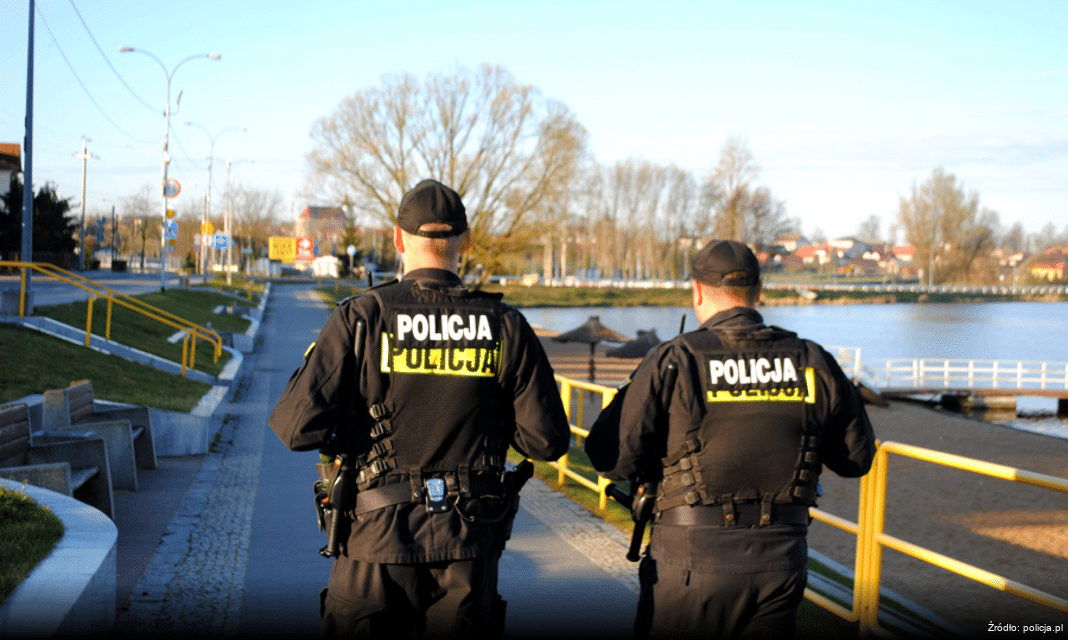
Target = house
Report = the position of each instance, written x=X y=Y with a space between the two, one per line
x=904 y=252
x=1050 y=265
x=10 y=165
x=326 y=225
x=791 y=242
x=849 y=248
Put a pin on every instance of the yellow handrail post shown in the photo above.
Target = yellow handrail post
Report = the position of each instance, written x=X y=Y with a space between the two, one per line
x=107 y=325
x=602 y=497
x=22 y=293
x=869 y=622
x=860 y=566
x=185 y=348
x=565 y=394
x=561 y=476
x=193 y=349
x=579 y=422
x=89 y=319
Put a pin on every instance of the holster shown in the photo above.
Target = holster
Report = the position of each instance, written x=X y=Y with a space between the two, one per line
x=513 y=481
x=323 y=509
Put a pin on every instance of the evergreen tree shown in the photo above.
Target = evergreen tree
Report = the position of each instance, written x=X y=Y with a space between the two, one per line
x=53 y=230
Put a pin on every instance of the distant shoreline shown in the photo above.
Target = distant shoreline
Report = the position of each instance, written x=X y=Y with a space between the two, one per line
x=520 y=295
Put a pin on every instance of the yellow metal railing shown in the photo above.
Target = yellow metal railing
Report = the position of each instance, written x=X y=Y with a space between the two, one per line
x=871 y=539
x=94 y=289
x=871 y=516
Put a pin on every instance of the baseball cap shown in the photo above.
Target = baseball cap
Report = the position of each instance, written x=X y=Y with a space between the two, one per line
x=431 y=201
x=719 y=258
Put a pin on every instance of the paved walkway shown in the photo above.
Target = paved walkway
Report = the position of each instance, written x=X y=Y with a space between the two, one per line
x=226 y=543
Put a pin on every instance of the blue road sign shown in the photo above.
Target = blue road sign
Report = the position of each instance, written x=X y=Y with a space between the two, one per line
x=221 y=241
x=172 y=229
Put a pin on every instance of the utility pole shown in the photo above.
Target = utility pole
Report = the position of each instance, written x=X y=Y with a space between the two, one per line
x=27 y=174
x=85 y=156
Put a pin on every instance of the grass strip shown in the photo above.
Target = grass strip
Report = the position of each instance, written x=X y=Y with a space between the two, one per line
x=27 y=534
x=146 y=334
x=37 y=362
x=249 y=290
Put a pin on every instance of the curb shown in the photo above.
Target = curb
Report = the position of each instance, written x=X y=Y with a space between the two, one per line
x=72 y=591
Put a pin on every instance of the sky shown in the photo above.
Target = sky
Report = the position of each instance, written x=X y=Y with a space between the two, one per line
x=845 y=106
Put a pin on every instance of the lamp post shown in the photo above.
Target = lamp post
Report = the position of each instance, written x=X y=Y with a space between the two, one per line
x=166 y=153
x=229 y=215
x=207 y=212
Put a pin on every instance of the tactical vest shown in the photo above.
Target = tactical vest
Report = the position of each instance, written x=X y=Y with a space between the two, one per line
x=755 y=443
x=436 y=436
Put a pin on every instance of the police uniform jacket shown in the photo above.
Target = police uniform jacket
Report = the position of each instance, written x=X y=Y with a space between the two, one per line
x=654 y=422
x=332 y=392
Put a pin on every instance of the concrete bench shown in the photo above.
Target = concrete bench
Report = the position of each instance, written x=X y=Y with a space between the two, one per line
x=73 y=464
x=127 y=431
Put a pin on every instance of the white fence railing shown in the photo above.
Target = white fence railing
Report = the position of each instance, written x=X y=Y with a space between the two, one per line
x=932 y=373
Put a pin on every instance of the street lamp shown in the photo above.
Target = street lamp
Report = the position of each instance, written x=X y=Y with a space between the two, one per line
x=166 y=153
x=229 y=215
x=207 y=212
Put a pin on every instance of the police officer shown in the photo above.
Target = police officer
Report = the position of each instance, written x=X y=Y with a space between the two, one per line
x=733 y=444
x=447 y=380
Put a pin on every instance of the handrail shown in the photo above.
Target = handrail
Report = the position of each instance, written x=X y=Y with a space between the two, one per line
x=871 y=517
x=943 y=373
x=873 y=502
x=192 y=330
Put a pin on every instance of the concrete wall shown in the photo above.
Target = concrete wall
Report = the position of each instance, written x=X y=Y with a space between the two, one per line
x=71 y=593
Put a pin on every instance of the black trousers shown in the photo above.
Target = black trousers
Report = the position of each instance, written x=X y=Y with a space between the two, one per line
x=676 y=602
x=448 y=599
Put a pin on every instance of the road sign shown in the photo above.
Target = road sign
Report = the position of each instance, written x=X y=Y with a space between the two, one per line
x=221 y=241
x=305 y=249
x=172 y=189
x=282 y=249
x=351 y=250
x=170 y=213
x=172 y=229
x=207 y=228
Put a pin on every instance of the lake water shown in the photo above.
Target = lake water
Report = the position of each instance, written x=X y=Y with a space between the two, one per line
x=983 y=331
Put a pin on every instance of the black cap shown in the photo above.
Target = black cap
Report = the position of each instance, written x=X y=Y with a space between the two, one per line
x=722 y=258
x=431 y=201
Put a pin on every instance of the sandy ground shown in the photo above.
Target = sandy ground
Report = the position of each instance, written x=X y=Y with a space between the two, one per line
x=1014 y=530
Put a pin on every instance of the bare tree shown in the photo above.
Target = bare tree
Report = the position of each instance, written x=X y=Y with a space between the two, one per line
x=497 y=142
x=255 y=218
x=734 y=207
x=680 y=211
x=868 y=230
x=142 y=214
x=946 y=227
x=728 y=190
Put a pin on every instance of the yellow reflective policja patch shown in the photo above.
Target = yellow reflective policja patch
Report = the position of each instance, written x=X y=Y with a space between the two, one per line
x=792 y=394
x=477 y=362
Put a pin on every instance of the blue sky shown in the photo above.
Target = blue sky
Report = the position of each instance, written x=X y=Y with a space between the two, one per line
x=843 y=105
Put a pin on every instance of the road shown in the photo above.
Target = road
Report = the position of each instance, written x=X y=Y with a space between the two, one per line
x=49 y=291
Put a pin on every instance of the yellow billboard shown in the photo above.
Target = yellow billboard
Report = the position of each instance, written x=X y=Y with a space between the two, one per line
x=282 y=249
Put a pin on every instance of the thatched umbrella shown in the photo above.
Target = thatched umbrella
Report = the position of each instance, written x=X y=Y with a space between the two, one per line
x=591 y=332
x=636 y=348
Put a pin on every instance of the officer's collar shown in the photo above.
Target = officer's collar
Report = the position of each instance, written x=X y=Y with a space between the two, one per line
x=435 y=276
x=734 y=317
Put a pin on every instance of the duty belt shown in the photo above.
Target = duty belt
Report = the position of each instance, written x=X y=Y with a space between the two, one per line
x=748 y=514
x=412 y=491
